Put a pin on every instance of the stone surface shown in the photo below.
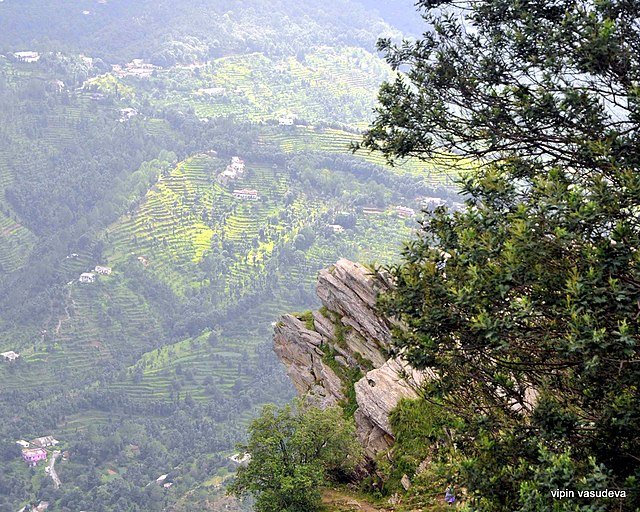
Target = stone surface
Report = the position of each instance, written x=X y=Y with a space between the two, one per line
x=299 y=349
x=406 y=483
x=381 y=389
x=348 y=289
x=352 y=330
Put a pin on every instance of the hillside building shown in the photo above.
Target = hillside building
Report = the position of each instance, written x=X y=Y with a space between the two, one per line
x=240 y=458
x=87 y=277
x=405 y=212
x=430 y=203
x=211 y=91
x=56 y=85
x=372 y=211
x=23 y=443
x=246 y=193
x=233 y=171
x=45 y=442
x=237 y=163
x=285 y=121
x=103 y=271
x=34 y=455
x=137 y=67
x=10 y=356
x=337 y=228
x=28 y=57
x=127 y=113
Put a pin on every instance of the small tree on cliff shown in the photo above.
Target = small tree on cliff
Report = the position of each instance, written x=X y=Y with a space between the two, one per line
x=294 y=451
x=528 y=300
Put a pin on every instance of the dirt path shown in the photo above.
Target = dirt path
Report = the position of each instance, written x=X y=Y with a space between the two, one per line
x=338 y=501
x=51 y=469
x=66 y=311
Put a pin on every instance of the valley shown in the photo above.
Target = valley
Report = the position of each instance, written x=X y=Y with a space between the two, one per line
x=156 y=367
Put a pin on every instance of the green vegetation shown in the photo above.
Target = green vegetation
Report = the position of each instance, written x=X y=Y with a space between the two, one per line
x=332 y=140
x=327 y=85
x=193 y=30
x=348 y=376
x=158 y=368
x=525 y=304
x=293 y=451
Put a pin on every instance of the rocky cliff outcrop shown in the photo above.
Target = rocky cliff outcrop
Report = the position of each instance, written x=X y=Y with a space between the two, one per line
x=339 y=354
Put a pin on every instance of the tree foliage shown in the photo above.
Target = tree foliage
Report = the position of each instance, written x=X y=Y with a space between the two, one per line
x=526 y=304
x=293 y=451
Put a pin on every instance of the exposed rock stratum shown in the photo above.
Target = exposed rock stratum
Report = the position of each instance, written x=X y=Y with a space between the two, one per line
x=344 y=346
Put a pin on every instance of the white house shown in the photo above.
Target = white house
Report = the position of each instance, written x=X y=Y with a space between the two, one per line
x=29 y=57
x=87 y=277
x=285 y=121
x=337 y=228
x=103 y=271
x=23 y=443
x=56 y=85
x=432 y=202
x=240 y=458
x=233 y=171
x=404 y=211
x=237 y=164
x=10 y=356
x=246 y=193
x=127 y=113
x=211 y=91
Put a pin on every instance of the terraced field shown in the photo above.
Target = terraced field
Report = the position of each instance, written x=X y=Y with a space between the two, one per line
x=199 y=276
x=27 y=139
x=300 y=138
x=184 y=367
x=16 y=241
x=245 y=244
x=97 y=327
x=328 y=85
x=220 y=364
x=188 y=214
x=171 y=204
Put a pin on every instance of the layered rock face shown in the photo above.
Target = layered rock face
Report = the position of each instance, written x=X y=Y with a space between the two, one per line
x=340 y=351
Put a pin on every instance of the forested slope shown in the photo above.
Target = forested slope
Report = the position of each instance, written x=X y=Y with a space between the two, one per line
x=156 y=368
x=170 y=32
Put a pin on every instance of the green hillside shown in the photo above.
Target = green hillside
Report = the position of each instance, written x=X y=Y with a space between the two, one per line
x=326 y=85
x=158 y=367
